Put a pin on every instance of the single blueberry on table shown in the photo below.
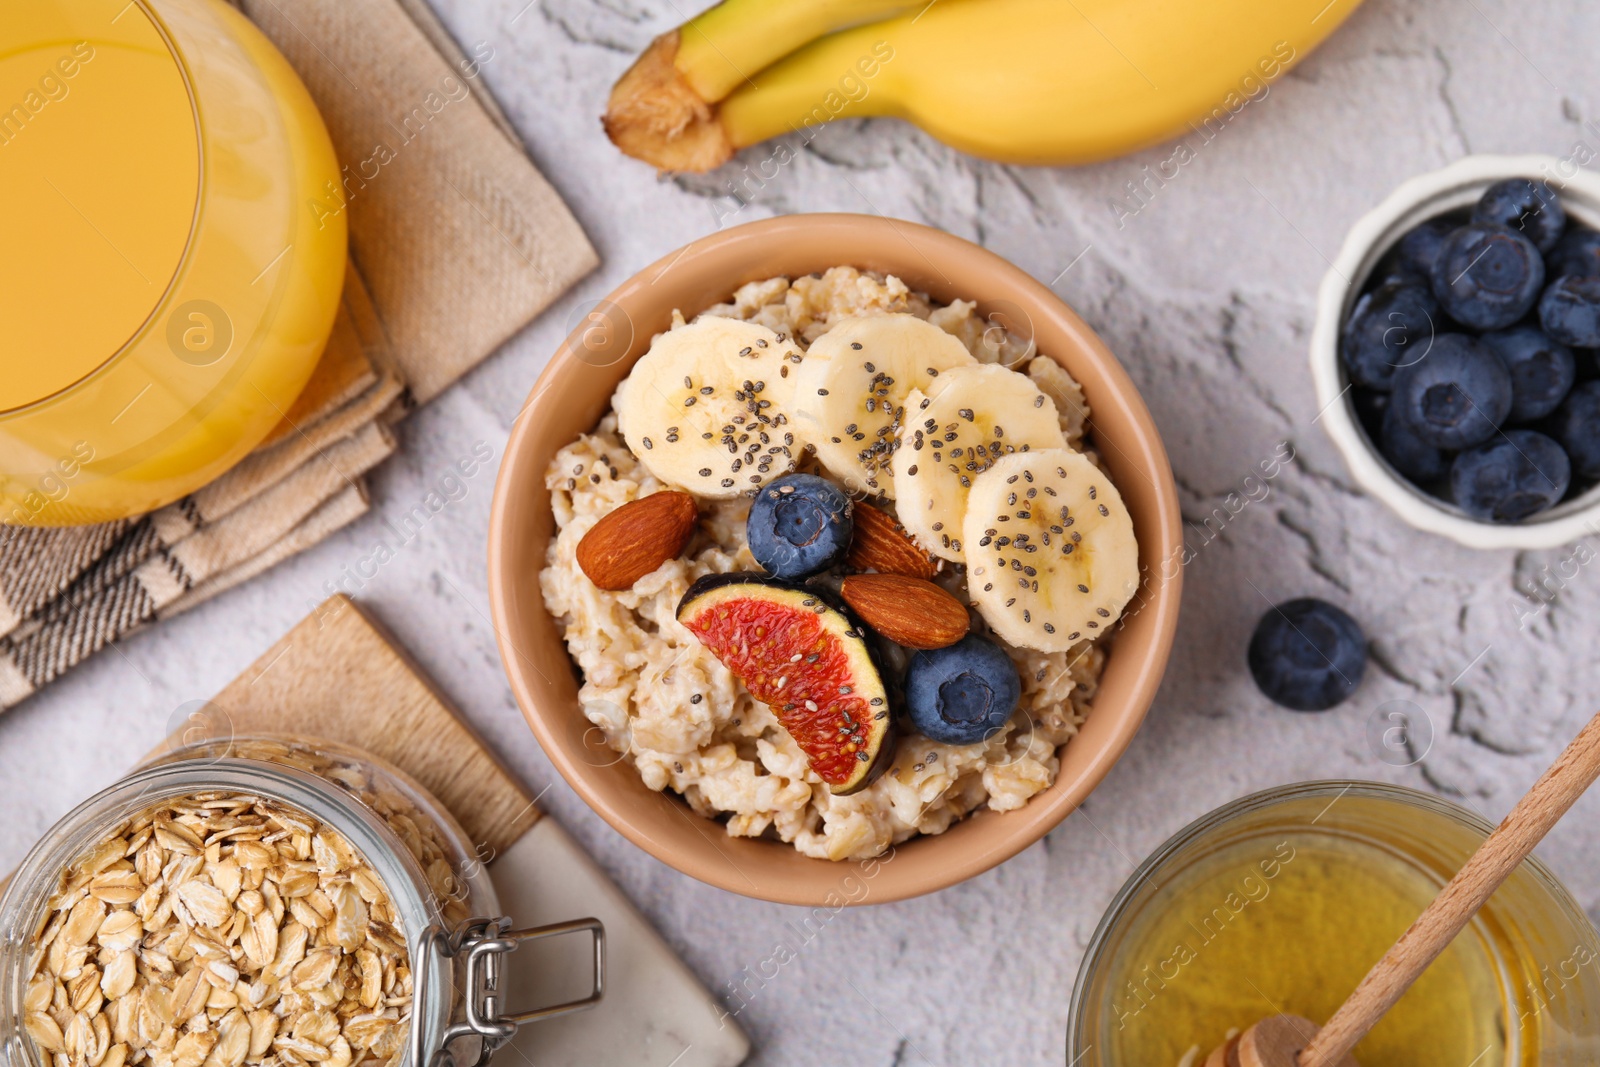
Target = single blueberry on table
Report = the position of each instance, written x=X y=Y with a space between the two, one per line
x=1518 y=474
x=1569 y=311
x=963 y=693
x=799 y=524
x=1576 y=253
x=1487 y=277
x=1409 y=454
x=1391 y=326
x=1417 y=250
x=1577 y=427
x=1542 y=370
x=1307 y=655
x=1457 y=395
x=1531 y=208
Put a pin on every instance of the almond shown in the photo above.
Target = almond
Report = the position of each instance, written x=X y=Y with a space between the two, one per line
x=637 y=538
x=908 y=611
x=881 y=544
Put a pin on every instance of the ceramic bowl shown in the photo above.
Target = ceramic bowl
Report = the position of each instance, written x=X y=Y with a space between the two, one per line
x=575 y=390
x=1423 y=197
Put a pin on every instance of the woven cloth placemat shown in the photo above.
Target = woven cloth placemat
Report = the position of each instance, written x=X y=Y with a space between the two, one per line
x=455 y=245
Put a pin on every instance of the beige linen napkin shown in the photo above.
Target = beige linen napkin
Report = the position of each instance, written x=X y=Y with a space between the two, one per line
x=455 y=232
x=456 y=243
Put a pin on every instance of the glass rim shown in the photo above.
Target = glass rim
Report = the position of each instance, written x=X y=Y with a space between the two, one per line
x=1116 y=910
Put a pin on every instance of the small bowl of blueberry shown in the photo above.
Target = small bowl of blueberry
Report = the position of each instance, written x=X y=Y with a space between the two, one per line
x=1457 y=352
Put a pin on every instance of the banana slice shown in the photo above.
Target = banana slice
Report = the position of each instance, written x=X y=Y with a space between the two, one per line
x=852 y=391
x=1051 y=556
x=970 y=417
x=708 y=407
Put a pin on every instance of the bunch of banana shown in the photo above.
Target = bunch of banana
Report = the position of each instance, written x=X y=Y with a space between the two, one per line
x=1021 y=81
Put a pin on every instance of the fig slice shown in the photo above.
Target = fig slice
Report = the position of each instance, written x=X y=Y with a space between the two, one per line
x=805 y=658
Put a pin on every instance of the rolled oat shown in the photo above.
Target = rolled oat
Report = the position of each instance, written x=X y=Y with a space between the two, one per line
x=217 y=930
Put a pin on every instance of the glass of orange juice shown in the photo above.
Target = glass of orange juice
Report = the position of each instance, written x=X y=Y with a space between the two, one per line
x=171 y=272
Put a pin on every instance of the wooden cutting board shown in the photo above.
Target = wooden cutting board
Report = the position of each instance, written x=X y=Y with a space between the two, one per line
x=337 y=675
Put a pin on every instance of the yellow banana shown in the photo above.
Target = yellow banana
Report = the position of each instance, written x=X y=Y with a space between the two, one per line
x=1024 y=81
x=662 y=106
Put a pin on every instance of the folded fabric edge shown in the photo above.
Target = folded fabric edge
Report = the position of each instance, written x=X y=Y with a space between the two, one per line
x=250 y=529
x=262 y=470
x=71 y=633
x=343 y=508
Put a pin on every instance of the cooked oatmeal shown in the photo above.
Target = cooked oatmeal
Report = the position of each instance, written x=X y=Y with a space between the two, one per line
x=667 y=704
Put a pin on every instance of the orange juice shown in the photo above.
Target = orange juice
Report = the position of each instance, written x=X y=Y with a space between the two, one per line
x=168 y=282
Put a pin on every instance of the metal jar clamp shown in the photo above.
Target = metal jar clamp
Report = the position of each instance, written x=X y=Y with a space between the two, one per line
x=485 y=942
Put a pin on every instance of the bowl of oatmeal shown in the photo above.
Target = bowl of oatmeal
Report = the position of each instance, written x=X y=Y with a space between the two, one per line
x=920 y=683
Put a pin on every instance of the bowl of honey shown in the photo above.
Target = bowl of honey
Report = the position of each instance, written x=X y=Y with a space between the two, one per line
x=1281 y=901
x=169 y=282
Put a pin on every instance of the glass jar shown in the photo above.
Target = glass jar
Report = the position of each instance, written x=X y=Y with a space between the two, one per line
x=444 y=904
x=1281 y=901
x=175 y=251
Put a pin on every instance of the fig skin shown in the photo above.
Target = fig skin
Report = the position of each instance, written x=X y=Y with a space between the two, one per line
x=788 y=594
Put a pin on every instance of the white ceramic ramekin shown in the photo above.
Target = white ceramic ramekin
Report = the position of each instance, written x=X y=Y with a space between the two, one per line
x=1423 y=197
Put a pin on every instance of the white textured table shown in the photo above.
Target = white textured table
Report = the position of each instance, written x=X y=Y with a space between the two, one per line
x=1205 y=290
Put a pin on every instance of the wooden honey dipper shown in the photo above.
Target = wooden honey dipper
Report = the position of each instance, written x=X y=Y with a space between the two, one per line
x=1291 y=1041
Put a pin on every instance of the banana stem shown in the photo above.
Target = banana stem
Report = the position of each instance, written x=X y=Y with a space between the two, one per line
x=726 y=46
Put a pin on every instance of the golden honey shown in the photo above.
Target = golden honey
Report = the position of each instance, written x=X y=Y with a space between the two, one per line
x=1284 y=906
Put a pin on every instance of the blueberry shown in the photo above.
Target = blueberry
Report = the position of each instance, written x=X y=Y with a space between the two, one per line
x=1390 y=327
x=963 y=693
x=1518 y=474
x=1531 y=208
x=1569 y=311
x=1307 y=655
x=1577 y=427
x=799 y=524
x=1487 y=277
x=1370 y=408
x=1417 y=250
x=1576 y=253
x=1408 y=453
x=1542 y=370
x=1456 y=395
